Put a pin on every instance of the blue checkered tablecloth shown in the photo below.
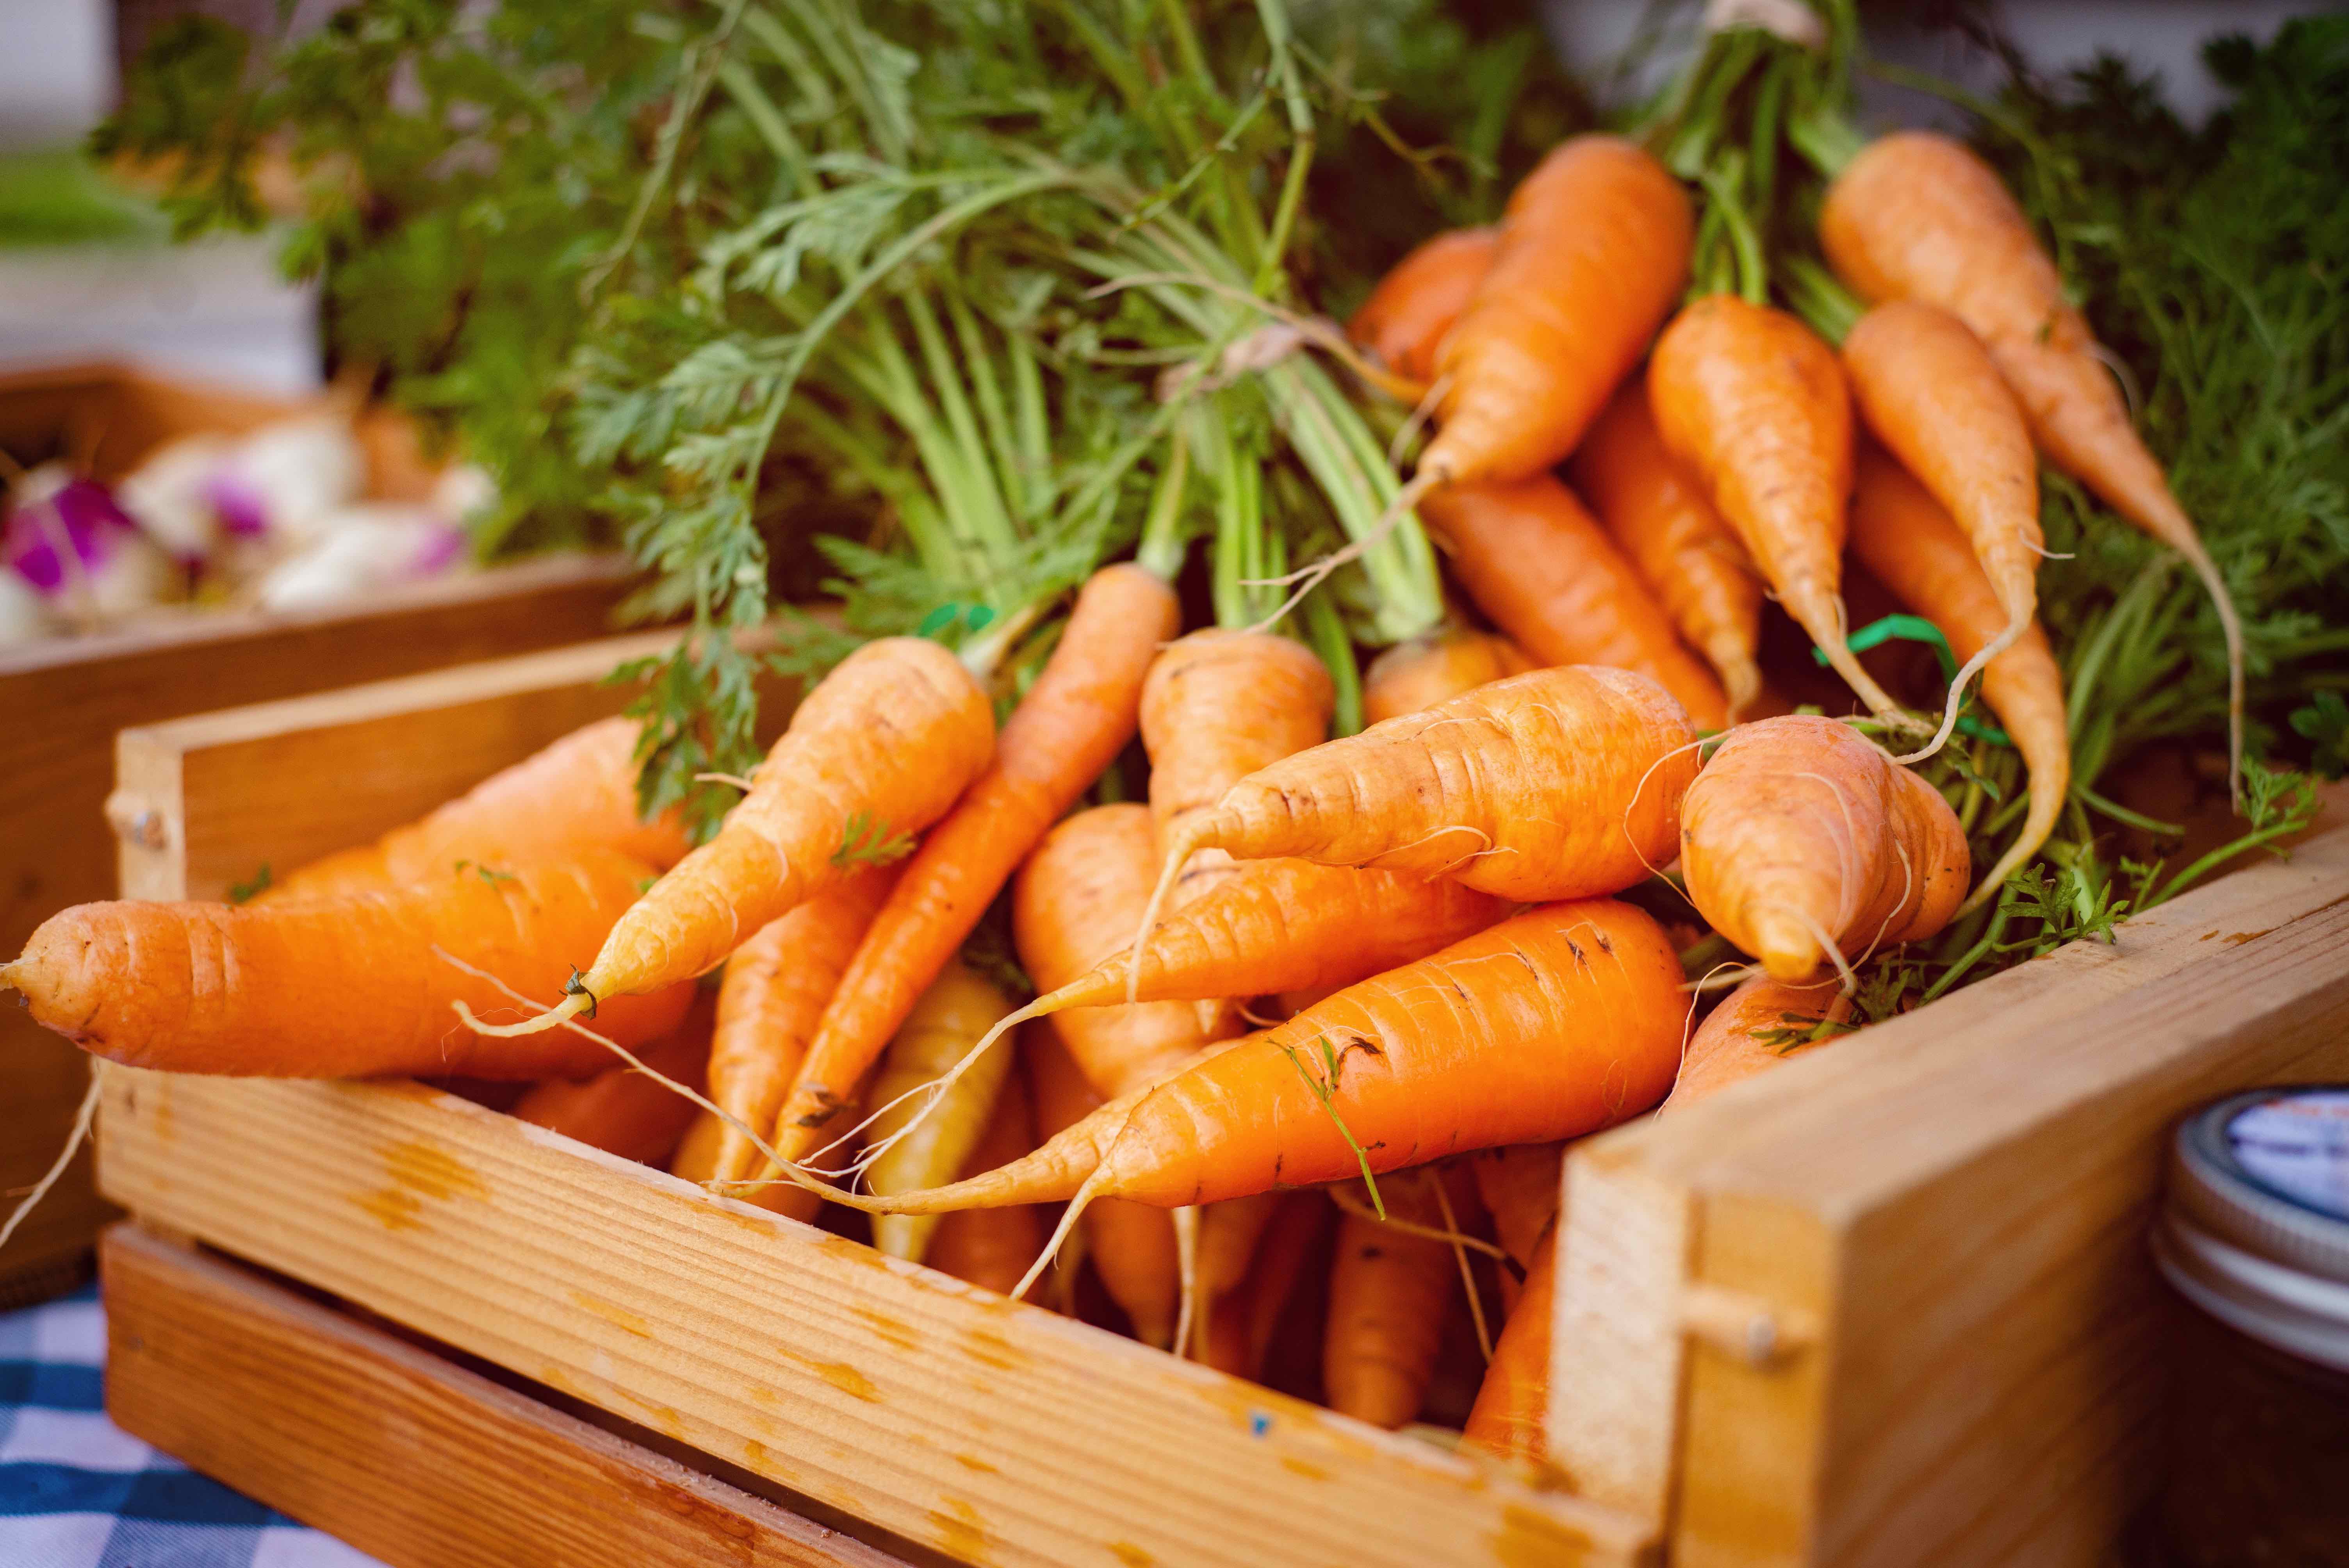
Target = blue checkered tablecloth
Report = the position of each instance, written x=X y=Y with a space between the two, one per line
x=78 y=1491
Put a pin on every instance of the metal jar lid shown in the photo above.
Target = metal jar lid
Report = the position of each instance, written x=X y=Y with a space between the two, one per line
x=2256 y=1229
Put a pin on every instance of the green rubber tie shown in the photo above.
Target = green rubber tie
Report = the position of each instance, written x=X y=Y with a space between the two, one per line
x=1917 y=629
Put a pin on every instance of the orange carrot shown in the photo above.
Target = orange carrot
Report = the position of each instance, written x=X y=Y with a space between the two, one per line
x=1389 y=1292
x=1076 y=900
x=1902 y=536
x=1928 y=390
x=1426 y=670
x=1519 y=1187
x=1072 y=723
x=1593 y=251
x=1511 y=1410
x=992 y=1248
x=623 y=1112
x=696 y=1159
x=1918 y=216
x=1452 y=790
x=1756 y=407
x=1132 y=1245
x=882 y=746
x=1801 y=840
x=1535 y=561
x=1242 y=1321
x=1422 y=295
x=578 y=793
x=345 y=987
x=774 y=990
x=1689 y=558
x=1756 y=1026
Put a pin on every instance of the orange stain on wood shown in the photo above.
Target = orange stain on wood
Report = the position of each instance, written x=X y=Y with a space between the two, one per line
x=972 y=1461
x=848 y=1380
x=892 y=1332
x=1133 y=1556
x=430 y=1171
x=1528 y=1539
x=394 y=1208
x=989 y=1348
x=618 y=1316
x=960 y=1530
x=1305 y=1468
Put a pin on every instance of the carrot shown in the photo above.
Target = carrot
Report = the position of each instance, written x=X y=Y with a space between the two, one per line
x=1512 y=1410
x=1075 y=901
x=1132 y=1244
x=1688 y=557
x=1228 y=1236
x=774 y=990
x=578 y=793
x=696 y=1159
x=1072 y=723
x=346 y=987
x=1389 y=1294
x=1422 y=295
x=992 y=1248
x=1536 y=563
x=1519 y=1187
x=1756 y=407
x=1452 y=790
x=1242 y=1322
x=1801 y=838
x=957 y=1008
x=1759 y=1025
x=1426 y=670
x=1929 y=393
x=881 y=746
x=1918 y=216
x=1902 y=536
x=1218 y=704
x=1593 y=251
x=623 y=1112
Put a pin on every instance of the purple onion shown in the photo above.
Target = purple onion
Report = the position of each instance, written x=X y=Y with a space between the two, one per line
x=239 y=504
x=437 y=552
x=80 y=513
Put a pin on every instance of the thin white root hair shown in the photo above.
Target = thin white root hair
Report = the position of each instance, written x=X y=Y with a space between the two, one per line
x=1957 y=698
x=2232 y=625
x=937 y=1089
x=1178 y=854
x=1640 y=789
x=1060 y=1233
x=798 y=1174
x=1468 y=1276
x=1827 y=943
x=83 y=1117
x=736 y=779
x=1720 y=977
x=1343 y=1195
x=1421 y=411
x=1308 y=578
x=562 y=1012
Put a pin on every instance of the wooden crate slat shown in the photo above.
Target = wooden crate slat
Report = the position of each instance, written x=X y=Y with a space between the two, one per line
x=397 y=1450
x=996 y=1431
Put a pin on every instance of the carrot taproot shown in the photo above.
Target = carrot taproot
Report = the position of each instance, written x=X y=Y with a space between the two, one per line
x=881 y=747
x=1756 y=407
x=1424 y=671
x=1926 y=389
x=1546 y=573
x=578 y=793
x=1917 y=215
x=1688 y=558
x=1447 y=790
x=1072 y=723
x=1242 y=1321
x=1519 y=1186
x=1416 y=302
x=1801 y=838
x=992 y=1248
x=1074 y=904
x=773 y=991
x=625 y=1112
x=1593 y=251
x=343 y=988
x=1756 y=1026
x=1903 y=536
x=960 y=1006
x=1510 y=1417
x=1389 y=1292
x=1132 y=1244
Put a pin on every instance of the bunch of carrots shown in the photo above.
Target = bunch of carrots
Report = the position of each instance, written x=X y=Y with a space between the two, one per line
x=1312 y=1008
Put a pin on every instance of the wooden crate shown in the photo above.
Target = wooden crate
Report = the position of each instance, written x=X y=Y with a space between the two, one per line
x=1886 y=1304
x=64 y=700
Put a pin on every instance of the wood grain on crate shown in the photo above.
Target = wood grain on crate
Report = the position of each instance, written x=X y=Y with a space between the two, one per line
x=64 y=701
x=997 y=1432
x=1949 y=1209
x=397 y=1450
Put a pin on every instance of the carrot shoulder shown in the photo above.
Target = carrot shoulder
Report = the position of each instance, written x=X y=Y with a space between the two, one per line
x=1072 y=723
x=1422 y=295
x=346 y=987
x=1427 y=670
x=1541 y=567
x=1761 y=1024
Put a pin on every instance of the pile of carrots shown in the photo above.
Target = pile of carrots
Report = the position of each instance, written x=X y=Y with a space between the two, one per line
x=1314 y=1023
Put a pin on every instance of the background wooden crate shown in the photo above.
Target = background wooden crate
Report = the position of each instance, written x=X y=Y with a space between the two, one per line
x=64 y=700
